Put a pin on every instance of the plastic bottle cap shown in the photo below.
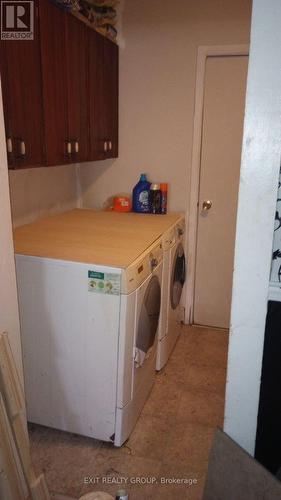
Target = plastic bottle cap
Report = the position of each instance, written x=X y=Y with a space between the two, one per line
x=155 y=187
x=164 y=186
x=143 y=177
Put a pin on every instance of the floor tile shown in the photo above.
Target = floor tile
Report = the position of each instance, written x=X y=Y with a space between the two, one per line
x=150 y=437
x=171 y=439
x=212 y=336
x=210 y=349
x=206 y=379
x=187 y=334
x=165 y=397
x=189 y=446
x=178 y=492
x=201 y=407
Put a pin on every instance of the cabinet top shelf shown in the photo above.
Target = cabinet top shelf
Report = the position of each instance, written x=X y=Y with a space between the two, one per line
x=100 y=15
x=90 y=25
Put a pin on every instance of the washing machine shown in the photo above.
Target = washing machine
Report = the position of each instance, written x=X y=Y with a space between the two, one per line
x=173 y=280
x=140 y=312
x=89 y=335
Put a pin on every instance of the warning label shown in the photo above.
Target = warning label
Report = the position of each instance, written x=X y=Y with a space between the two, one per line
x=107 y=283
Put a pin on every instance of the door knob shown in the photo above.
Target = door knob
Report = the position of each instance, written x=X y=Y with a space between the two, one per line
x=206 y=205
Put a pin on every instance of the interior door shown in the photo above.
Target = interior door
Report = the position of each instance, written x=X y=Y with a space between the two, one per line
x=222 y=131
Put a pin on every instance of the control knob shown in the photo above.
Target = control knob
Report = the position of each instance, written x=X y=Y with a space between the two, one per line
x=153 y=262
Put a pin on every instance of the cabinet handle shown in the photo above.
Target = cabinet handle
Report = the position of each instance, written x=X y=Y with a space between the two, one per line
x=76 y=147
x=110 y=145
x=22 y=148
x=9 y=145
x=69 y=148
x=105 y=146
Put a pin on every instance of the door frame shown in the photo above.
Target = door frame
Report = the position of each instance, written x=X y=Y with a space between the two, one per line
x=203 y=52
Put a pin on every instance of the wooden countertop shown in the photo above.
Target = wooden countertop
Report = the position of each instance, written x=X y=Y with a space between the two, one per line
x=101 y=238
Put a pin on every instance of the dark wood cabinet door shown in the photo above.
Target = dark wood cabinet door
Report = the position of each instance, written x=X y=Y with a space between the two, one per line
x=22 y=100
x=64 y=69
x=7 y=100
x=54 y=79
x=110 y=90
x=97 y=135
x=103 y=97
x=76 y=49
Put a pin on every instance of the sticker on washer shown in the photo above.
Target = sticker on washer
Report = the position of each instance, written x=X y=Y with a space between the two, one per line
x=108 y=283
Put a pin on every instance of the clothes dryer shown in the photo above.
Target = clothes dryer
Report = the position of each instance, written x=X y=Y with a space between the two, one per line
x=177 y=279
x=168 y=241
x=174 y=272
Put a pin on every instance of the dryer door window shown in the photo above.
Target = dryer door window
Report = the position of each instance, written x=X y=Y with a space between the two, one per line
x=178 y=276
x=149 y=316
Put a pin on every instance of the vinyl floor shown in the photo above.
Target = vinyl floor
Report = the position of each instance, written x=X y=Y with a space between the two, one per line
x=166 y=456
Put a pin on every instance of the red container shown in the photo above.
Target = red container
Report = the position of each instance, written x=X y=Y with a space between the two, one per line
x=122 y=204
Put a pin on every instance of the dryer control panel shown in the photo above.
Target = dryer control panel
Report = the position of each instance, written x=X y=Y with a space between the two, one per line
x=174 y=234
x=169 y=239
x=156 y=256
x=180 y=230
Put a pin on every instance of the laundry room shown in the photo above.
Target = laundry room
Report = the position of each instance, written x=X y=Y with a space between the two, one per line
x=122 y=126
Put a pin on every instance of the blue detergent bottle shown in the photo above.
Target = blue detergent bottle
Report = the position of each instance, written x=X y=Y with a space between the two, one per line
x=141 y=196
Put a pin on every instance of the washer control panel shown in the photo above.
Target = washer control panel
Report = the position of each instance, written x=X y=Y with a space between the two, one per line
x=156 y=256
x=153 y=262
x=134 y=275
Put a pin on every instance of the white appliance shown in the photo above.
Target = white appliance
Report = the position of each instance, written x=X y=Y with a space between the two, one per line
x=89 y=338
x=174 y=272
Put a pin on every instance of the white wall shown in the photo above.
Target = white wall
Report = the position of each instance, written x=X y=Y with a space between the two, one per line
x=37 y=192
x=158 y=53
x=255 y=223
x=158 y=49
x=9 y=315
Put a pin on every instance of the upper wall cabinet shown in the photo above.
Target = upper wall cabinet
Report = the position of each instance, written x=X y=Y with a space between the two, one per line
x=78 y=88
x=22 y=100
x=65 y=85
x=104 y=110
x=61 y=91
x=54 y=81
